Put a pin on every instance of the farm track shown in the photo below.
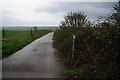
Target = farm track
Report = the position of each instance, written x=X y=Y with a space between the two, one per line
x=37 y=60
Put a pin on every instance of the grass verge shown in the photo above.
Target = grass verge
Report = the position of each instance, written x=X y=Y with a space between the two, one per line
x=10 y=46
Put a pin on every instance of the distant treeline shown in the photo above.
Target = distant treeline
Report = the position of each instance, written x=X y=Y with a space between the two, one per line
x=29 y=28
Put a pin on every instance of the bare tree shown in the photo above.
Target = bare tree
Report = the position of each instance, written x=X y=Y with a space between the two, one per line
x=75 y=19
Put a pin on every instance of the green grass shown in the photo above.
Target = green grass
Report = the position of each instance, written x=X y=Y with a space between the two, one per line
x=17 y=34
x=11 y=46
x=16 y=40
x=83 y=70
x=18 y=37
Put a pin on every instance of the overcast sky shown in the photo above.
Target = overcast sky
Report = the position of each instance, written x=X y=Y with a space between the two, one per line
x=49 y=12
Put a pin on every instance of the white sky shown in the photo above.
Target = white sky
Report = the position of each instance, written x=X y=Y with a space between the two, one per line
x=47 y=12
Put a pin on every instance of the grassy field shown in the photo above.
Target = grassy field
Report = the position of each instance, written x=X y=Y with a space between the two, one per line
x=17 y=38
x=12 y=45
x=17 y=34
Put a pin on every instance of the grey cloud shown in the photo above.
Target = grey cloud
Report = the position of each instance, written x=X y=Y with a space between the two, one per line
x=92 y=9
x=59 y=9
x=74 y=6
x=7 y=12
x=9 y=21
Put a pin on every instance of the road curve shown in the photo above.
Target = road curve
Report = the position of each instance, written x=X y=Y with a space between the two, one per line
x=37 y=60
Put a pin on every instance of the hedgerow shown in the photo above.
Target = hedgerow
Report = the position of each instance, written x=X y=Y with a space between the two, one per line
x=98 y=47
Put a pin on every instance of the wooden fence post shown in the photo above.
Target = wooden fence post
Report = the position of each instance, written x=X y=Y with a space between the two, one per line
x=31 y=33
x=3 y=33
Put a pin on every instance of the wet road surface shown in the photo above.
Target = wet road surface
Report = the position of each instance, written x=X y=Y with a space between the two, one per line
x=37 y=60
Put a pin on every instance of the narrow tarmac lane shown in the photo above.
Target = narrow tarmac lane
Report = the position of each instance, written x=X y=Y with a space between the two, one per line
x=37 y=60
